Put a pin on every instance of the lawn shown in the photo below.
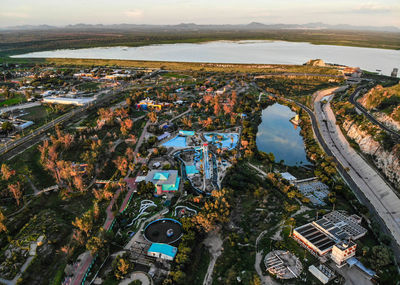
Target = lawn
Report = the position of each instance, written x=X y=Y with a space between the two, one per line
x=28 y=163
x=88 y=86
x=176 y=75
x=12 y=101
x=37 y=113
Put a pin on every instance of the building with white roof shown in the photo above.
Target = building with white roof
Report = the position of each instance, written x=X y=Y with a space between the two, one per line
x=68 y=101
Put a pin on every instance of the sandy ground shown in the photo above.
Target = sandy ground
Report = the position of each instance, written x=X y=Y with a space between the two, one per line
x=214 y=244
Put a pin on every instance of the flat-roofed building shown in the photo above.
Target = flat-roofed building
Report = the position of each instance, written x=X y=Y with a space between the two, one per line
x=164 y=180
x=322 y=273
x=320 y=236
x=343 y=251
x=68 y=101
x=340 y=226
x=316 y=241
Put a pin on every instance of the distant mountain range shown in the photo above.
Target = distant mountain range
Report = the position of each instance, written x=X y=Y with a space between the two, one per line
x=194 y=27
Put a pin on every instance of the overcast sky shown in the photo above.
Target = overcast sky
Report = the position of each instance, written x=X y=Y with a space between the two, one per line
x=62 y=12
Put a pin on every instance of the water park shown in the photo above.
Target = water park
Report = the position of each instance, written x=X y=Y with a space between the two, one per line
x=199 y=167
x=164 y=230
x=176 y=142
x=223 y=140
x=184 y=211
x=180 y=140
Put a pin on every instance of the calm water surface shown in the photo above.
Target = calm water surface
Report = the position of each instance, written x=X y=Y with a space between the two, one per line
x=277 y=134
x=261 y=52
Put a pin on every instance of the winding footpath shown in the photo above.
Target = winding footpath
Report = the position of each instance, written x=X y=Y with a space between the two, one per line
x=87 y=257
x=214 y=243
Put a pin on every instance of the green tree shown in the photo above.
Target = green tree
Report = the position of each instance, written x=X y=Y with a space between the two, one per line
x=7 y=126
x=3 y=227
x=121 y=266
x=145 y=189
x=380 y=257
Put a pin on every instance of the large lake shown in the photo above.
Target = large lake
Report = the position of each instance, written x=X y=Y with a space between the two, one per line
x=262 y=52
x=278 y=135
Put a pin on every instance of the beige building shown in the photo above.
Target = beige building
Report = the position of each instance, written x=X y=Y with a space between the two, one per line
x=342 y=251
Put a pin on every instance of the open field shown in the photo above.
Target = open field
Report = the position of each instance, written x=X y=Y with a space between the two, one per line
x=193 y=66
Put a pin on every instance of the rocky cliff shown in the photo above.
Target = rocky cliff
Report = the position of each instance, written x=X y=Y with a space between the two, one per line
x=384 y=104
x=386 y=160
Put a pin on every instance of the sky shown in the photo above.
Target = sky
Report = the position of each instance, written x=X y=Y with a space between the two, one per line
x=59 y=13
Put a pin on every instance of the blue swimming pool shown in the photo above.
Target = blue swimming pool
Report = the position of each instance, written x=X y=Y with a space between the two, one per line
x=177 y=141
x=223 y=140
x=191 y=169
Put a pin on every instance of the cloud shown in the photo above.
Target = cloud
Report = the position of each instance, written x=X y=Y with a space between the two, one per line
x=136 y=13
x=371 y=8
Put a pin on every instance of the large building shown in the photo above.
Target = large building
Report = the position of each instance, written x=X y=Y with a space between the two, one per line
x=68 y=101
x=164 y=180
x=320 y=236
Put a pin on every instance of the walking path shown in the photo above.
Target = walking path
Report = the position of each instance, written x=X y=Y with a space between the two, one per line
x=32 y=253
x=214 y=243
x=88 y=258
x=265 y=279
x=138 y=275
x=35 y=190
x=258 y=169
x=137 y=235
x=140 y=140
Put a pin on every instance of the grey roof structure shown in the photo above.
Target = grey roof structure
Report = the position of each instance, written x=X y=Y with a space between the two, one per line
x=160 y=177
x=341 y=226
x=330 y=230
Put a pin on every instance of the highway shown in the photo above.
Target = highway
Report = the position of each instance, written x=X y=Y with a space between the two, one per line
x=367 y=185
x=353 y=100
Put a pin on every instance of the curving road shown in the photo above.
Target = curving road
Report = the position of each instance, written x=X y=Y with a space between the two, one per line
x=368 y=186
x=353 y=100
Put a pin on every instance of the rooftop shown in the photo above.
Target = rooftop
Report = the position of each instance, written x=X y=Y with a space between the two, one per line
x=163 y=248
x=341 y=226
x=288 y=176
x=168 y=179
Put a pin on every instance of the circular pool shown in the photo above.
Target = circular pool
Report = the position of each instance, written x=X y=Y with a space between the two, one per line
x=163 y=231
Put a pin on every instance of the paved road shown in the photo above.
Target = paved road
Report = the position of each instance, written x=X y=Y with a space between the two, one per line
x=299 y=74
x=140 y=141
x=385 y=201
x=20 y=106
x=258 y=169
x=350 y=180
x=353 y=100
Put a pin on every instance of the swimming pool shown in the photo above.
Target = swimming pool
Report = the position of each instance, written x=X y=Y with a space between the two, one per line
x=177 y=141
x=191 y=169
x=224 y=140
